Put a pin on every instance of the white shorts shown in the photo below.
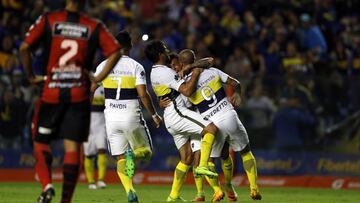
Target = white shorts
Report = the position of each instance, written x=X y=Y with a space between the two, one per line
x=231 y=130
x=97 y=135
x=131 y=133
x=184 y=125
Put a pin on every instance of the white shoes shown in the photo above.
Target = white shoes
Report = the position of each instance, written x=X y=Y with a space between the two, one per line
x=101 y=184
x=92 y=186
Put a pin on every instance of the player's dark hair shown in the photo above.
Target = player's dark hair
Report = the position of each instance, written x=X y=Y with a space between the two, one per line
x=123 y=37
x=154 y=49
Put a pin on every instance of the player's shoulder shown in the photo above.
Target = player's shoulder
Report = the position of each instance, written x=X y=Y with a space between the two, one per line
x=90 y=20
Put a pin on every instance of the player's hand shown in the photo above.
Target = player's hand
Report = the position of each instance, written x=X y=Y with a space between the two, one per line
x=36 y=79
x=165 y=102
x=181 y=74
x=157 y=120
x=197 y=70
x=235 y=99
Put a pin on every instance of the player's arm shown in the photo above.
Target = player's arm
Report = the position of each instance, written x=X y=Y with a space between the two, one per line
x=235 y=84
x=93 y=88
x=148 y=104
x=201 y=63
x=33 y=36
x=188 y=88
x=110 y=48
x=110 y=63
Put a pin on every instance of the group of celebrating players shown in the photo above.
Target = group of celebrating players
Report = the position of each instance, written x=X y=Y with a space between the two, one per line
x=197 y=112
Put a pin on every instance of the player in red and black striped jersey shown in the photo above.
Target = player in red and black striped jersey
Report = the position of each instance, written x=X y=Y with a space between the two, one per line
x=70 y=39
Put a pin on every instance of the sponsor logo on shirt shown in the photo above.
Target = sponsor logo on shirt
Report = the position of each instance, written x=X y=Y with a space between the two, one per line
x=71 y=30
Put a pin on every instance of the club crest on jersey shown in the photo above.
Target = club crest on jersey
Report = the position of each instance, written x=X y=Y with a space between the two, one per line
x=71 y=30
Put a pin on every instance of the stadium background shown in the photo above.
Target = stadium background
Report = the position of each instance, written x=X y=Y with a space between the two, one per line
x=299 y=63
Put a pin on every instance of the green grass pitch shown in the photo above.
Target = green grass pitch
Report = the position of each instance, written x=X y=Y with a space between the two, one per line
x=28 y=192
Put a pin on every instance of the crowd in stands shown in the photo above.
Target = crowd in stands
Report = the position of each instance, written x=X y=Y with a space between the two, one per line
x=298 y=61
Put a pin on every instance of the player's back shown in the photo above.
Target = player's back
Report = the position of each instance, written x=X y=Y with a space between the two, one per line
x=210 y=97
x=70 y=39
x=121 y=95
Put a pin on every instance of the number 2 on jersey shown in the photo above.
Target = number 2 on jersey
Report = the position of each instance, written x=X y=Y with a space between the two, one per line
x=74 y=48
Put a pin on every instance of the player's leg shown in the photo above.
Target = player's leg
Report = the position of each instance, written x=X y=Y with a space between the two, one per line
x=199 y=180
x=74 y=128
x=193 y=123
x=89 y=170
x=118 y=144
x=227 y=167
x=140 y=145
x=44 y=122
x=208 y=138
x=249 y=164
x=239 y=141
x=186 y=159
x=212 y=180
x=98 y=119
x=71 y=169
x=90 y=154
x=102 y=165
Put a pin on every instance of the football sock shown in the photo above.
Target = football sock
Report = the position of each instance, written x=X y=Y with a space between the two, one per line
x=213 y=181
x=89 y=169
x=43 y=157
x=143 y=153
x=228 y=169
x=71 y=170
x=206 y=146
x=249 y=164
x=101 y=164
x=125 y=180
x=179 y=178
x=198 y=183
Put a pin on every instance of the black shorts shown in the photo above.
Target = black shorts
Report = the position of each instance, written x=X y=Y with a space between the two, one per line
x=65 y=120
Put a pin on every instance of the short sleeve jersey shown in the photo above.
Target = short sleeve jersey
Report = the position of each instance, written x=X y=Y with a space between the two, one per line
x=70 y=41
x=120 y=85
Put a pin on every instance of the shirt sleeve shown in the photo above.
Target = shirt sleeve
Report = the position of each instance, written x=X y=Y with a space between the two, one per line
x=36 y=31
x=223 y=76
x=107 y=42
x=140 y=75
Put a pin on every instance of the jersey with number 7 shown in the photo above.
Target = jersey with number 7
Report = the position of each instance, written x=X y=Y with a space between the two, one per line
x=70 y=41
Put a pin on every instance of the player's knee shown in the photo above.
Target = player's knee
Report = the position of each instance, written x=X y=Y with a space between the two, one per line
x=211 y=128
x=187 y=159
